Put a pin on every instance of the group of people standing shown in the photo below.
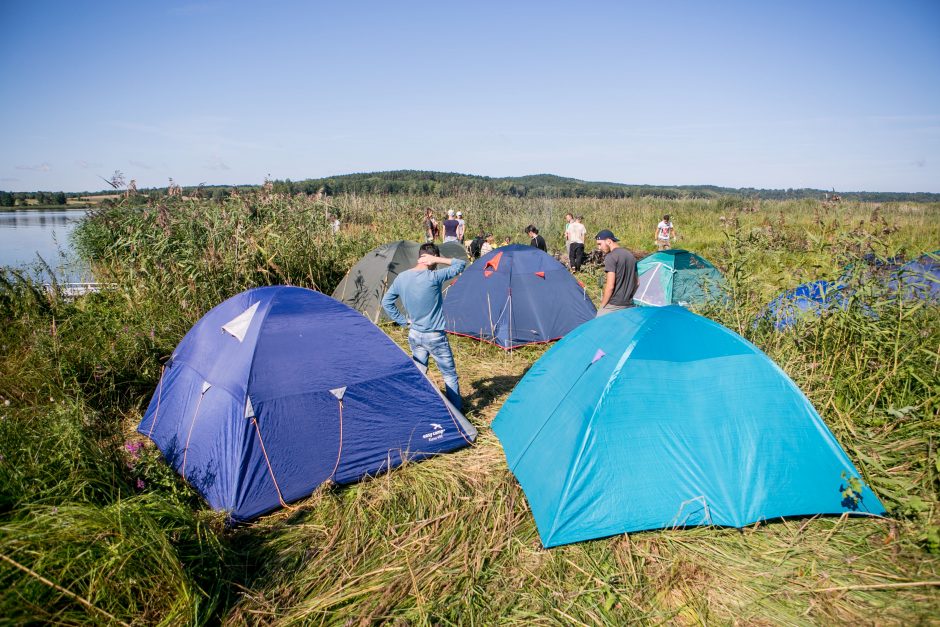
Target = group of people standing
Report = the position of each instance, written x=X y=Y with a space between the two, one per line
x=420 y=288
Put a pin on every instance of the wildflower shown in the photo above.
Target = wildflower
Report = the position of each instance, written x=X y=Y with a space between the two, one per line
x=140 y=484
x=55 y=510
x=6 y=403
x=133 y=448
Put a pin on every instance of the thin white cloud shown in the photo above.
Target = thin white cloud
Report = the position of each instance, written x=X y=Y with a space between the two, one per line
x=87 y=165
x=42 y=167
x=9 y=179
x=141 y=164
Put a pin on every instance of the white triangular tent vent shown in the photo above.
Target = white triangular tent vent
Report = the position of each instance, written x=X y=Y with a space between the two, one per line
x=205 y=386
x=249 y=410
x=238 y=326
x=339 y=392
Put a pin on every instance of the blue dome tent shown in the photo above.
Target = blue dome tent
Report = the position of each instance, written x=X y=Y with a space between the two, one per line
x=516 y=295
x=809 y=300
x=676 y=277
x=279 y=389
x=918 y=279
x=656 y=417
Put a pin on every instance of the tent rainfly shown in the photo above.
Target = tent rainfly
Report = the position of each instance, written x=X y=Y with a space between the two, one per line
x=657 y=417
x=279 y=389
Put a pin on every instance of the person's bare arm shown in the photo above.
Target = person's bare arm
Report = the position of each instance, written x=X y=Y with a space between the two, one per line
x=608 y=288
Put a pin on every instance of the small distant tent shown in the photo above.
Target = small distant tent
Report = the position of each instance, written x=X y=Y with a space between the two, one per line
x=676 y=277
x=279 y=389
x=366 y=282
x=656 y=417
x=516 y=295
x=806 y=301
x=918 y=279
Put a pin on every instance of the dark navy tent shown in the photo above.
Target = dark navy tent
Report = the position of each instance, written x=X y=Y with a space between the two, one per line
x=516 y=295
x=279 y=389
x=656 y=417
x=806 y=301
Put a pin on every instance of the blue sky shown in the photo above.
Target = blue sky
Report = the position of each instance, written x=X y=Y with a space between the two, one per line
x=842 y=95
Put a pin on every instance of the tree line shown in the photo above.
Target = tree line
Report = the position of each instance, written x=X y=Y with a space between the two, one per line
x=443 y=184
x=552 y=186
x=20 y=199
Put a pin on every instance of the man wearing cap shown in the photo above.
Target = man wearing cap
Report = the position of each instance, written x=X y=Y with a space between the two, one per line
x=620 y=272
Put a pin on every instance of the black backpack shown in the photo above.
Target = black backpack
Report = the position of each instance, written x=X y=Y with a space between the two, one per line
x=475 y=247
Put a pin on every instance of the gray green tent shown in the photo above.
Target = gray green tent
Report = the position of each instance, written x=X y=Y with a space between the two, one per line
x=366 y=283
x=676 y=277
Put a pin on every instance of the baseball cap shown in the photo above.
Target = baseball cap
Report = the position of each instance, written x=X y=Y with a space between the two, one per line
x=460 y=214
x=605 y=234
x=450 y=212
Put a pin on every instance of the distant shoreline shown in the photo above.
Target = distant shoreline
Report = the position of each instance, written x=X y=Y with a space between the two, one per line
x=46 y=208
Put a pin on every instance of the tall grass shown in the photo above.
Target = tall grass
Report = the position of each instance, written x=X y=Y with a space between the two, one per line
x=95 y=528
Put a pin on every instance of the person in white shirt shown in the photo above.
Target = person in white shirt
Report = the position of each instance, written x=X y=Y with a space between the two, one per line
x=569 y=219
x=576 y=234
x=487 y=246
x=461 y=226
x=665 y=232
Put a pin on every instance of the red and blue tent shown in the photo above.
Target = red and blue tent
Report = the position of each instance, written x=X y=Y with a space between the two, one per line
x=516 y=295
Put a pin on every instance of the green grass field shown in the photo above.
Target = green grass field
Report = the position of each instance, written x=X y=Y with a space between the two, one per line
x=96 y=529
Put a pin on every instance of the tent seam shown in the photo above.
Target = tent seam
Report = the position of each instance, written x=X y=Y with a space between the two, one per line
x=654 y=323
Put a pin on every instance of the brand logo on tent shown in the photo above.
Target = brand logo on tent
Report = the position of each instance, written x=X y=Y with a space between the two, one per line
x=436 y=434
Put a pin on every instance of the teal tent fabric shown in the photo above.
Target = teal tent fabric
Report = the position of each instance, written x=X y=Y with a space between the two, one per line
x=676 y=277
x=657 y=417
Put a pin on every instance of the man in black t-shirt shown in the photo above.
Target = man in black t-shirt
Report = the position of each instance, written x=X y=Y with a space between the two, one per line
x=620 y=274
x=537 y=240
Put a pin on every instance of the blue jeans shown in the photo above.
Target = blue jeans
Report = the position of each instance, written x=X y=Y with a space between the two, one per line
x=435 y=344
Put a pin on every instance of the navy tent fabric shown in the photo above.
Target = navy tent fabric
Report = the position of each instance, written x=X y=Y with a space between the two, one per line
x=656 y=417
x=279 y=389
x=516 y=295
x=808 y=300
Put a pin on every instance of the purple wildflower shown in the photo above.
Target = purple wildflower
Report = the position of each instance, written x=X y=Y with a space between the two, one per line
x=140 y=484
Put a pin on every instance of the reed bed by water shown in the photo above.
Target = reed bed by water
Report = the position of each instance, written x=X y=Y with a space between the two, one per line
x=95 y=529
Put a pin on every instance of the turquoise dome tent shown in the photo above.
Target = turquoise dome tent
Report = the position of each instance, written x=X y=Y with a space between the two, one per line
x=676 y=277
x=657 y=417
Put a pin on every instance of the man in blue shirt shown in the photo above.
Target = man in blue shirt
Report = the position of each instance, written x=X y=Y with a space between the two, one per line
x=420 y=291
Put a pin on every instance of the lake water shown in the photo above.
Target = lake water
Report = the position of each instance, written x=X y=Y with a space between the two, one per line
x=26 y=235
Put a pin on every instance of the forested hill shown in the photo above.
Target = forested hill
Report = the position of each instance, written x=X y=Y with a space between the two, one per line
x=452 y=183
x=551 y=186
